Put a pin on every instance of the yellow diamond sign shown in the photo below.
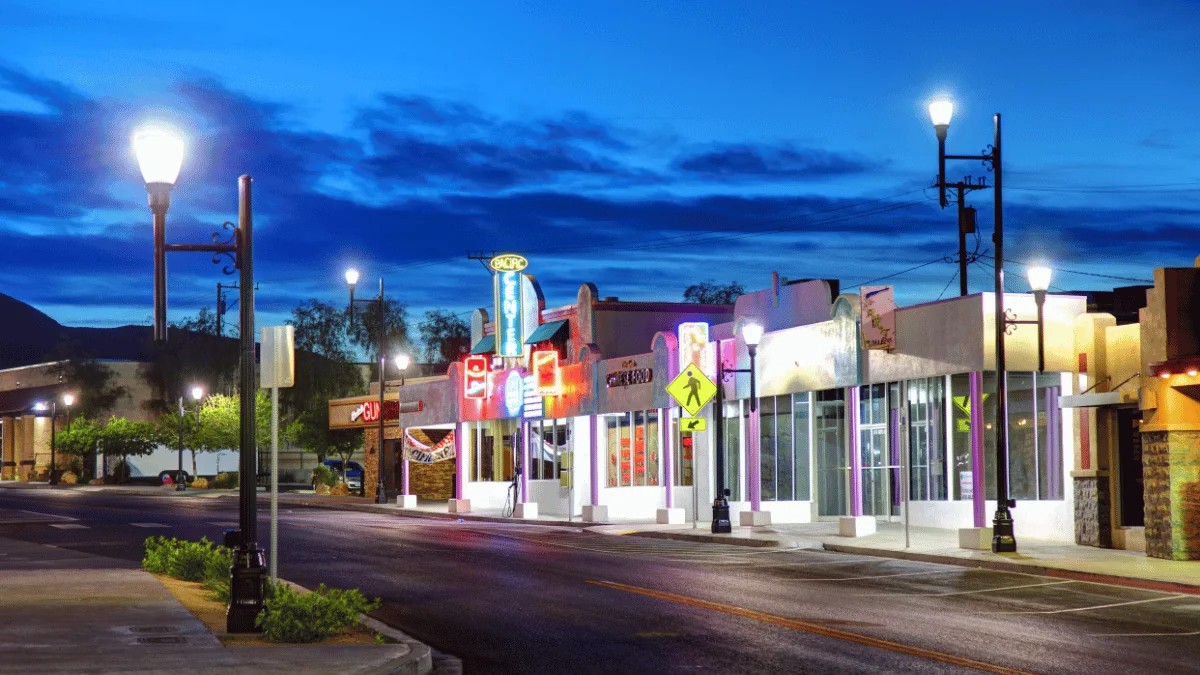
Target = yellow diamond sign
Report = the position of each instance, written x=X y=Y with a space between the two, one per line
x=692 y=389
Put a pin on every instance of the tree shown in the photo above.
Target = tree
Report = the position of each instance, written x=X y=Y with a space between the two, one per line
x=446 y=337
x=79 y=441
x=90 y=381
x=194 y=354
x=364 y=330
x=122 y=438
x=711 y=293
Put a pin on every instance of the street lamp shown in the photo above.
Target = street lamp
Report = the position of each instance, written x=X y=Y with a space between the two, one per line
x=751 y=335
x=401 y=360
x=159 y=153
x=351 y=281
x=197 y=394
x=940 y=112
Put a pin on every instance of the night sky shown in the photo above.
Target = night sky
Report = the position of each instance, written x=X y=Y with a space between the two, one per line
x=640 y=146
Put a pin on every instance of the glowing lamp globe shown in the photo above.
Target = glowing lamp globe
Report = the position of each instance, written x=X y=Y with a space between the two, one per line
x=752 y=333
x=1039 y=277
x=352 y=276
x=159 y=153
x=402 y=361
x=940 y=112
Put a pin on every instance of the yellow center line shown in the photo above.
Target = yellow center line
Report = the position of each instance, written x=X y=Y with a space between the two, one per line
x=815 y=629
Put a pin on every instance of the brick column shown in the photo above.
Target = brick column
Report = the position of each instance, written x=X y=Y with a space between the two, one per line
x=370 y=461
x=1171 y=466
x=8 y=429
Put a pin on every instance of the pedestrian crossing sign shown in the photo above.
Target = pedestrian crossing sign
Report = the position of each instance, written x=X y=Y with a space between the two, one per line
x=692 y=389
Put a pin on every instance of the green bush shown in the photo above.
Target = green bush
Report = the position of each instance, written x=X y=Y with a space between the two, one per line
x=188 y=560
x=322 y=475
x=225 y=480
x=289 y=616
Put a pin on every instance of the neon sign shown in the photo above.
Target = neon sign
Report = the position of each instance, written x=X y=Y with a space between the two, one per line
x=533 y=401
x=508 y=262
x=509 y=321
x=546 y=374
x=514 y=393
x=693 y=348
x=475 y=371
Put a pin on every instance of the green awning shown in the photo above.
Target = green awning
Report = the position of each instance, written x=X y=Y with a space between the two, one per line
x=485 y=346
x=548 y=331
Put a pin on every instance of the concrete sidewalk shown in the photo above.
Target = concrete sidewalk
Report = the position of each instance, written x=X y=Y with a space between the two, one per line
x=71 y=612
x=1085 y=563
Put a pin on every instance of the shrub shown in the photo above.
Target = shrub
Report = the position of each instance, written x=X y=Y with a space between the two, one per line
x=340 y=490
x=225 y=480
x=289 y=616
x=322 y=489
x=187 y=560
x=68 y=478
x=200 y=484
x=322 y=475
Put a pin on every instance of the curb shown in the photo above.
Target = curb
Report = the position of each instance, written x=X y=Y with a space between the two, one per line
x=418 y=661
x=1021 y=568
x=416 y=513
x=701 y=538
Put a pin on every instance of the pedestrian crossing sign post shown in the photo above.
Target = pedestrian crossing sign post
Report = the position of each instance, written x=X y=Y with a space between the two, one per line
x=693 y=424
x=692 y=389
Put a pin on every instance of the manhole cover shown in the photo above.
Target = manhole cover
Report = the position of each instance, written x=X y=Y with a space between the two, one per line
x=153 y=629
x=162 y=640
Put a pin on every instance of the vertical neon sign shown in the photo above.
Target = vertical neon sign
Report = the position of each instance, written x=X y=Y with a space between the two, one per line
x=508 y=314
x=694 y=348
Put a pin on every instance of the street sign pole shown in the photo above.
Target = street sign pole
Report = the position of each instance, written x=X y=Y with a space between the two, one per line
x=274 y=565
x=278 y=370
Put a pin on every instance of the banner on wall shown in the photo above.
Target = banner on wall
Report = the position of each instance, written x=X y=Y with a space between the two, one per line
x=878 y=304
x=427 y=453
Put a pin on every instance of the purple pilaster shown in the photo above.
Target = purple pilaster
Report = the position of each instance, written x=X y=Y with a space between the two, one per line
x=1053 y=450
x=856 y=506
x=594 y=449
x=753 y=461
x=668 y=454
x=525 y=461
x=460 y=464
x=978 y=496
x=894 y=458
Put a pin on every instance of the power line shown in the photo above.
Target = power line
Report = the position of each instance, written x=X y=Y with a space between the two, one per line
x=1086 y=274
x=947 y=286
x=896 y=274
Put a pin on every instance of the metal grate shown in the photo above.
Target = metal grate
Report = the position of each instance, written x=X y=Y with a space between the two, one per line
x=162 y=640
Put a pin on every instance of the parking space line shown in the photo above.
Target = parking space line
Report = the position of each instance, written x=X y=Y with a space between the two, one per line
x=1085 y=609
x=69 y=526
x=982 y=590
x=149 y=525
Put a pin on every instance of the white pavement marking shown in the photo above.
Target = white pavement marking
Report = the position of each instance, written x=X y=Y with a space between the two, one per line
x=149 y=525
x=1195 y=632
x=1085 y=609
x=881 y=576
x=219 y=524
x=69 y=526
x=983 y=590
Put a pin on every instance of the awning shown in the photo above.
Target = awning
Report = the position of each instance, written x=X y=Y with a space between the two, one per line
x=548 y=331
x=21 y=401
x=1096 y=400
x=485 y=346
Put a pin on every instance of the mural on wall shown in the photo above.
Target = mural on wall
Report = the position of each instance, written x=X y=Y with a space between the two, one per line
x=878 y=305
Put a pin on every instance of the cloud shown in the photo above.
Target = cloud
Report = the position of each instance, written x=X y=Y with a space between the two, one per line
x=746 y=162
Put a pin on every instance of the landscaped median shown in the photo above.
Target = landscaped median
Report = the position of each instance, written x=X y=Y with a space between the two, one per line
x=197 y=574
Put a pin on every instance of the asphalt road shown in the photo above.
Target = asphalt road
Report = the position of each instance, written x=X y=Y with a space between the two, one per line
x=537 y=599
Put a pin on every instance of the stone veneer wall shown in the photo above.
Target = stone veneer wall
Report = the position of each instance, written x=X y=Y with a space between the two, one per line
x=432 y=481
x=1093 y=517
x=1171 y=466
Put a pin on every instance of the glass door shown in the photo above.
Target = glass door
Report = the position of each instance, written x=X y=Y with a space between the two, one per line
x=829 y=439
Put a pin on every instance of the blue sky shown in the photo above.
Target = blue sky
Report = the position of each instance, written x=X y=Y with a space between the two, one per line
x=640 y=146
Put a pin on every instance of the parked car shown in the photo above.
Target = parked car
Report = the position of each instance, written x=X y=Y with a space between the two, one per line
x=354 y=472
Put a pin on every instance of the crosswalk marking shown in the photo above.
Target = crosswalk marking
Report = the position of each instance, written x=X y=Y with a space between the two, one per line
x=69 y=526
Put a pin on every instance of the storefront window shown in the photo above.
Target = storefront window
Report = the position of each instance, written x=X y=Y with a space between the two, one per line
x=829 y=437
x=873 y=447
x=732 y=449
x=493 y=451
x=783 y=454
x=926 y=446
x=549 y=442
x=633 y=448
x=803 y=445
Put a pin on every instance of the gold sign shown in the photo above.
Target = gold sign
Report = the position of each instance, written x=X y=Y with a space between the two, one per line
x=508 y=262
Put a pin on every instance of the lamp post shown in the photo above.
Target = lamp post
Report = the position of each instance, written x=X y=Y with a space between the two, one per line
x=352 y=280
x=197 y=394
x=940 y=112
x=751 y=335
x=160 y=155
x=401 y=361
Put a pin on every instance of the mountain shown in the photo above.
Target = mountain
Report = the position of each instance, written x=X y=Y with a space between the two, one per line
x=30 y=335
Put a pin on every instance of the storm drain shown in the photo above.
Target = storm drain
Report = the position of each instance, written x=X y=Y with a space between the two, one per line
x=162 y=640
x=153 y=629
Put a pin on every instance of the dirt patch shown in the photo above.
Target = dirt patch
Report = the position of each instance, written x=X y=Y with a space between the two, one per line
x=211 y=613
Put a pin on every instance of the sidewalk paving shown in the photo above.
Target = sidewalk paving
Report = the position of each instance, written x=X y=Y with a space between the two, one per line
x=1051 y=558
x=72 y=612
